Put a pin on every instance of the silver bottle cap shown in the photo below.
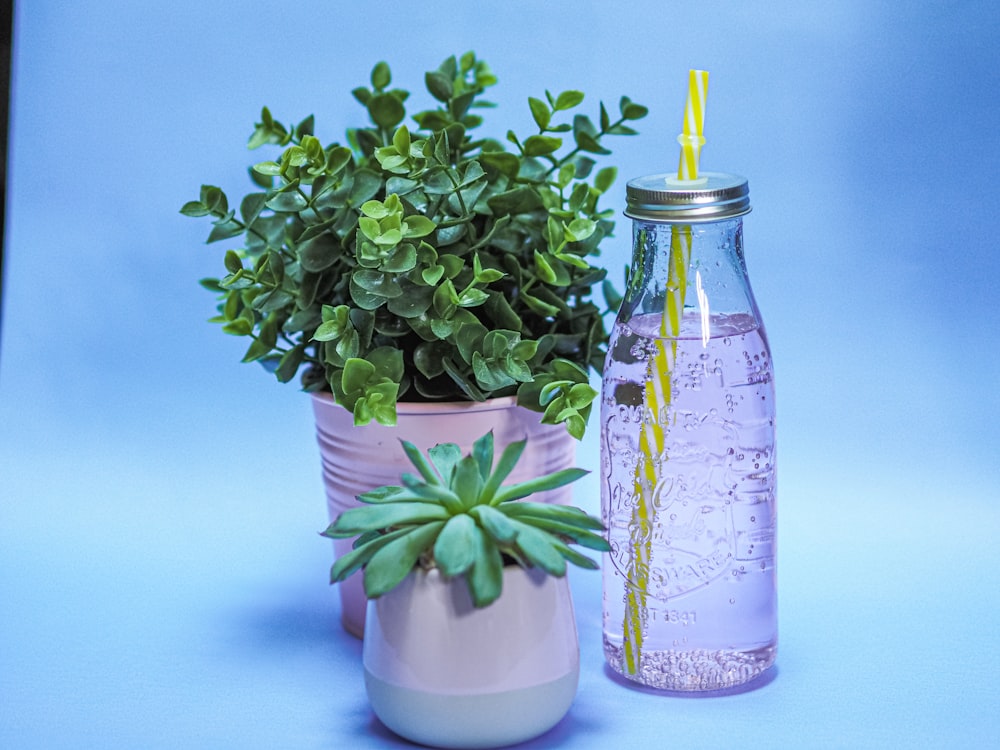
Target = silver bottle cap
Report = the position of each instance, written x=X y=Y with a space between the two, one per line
x=662 y=197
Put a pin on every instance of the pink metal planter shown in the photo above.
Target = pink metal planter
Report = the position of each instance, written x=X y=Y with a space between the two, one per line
x=358 y=459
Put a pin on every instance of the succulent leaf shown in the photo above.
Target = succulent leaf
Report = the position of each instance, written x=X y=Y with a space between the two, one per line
x=385 y=515
x=392 y=563
x=494 y=523
x=467 y=482
x=485 y=578
x=539 y=484
x=455 y=547
x=508 y=460
x=350 y=563
x=558 y=513
x=482 y=451
x=539 y=549
x=445 y=456
x=422 y=464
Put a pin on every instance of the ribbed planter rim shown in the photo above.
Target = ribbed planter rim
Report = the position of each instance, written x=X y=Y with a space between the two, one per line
x=439 y=407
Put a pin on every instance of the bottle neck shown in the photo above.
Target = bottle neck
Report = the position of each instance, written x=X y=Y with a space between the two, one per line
x=694 y=275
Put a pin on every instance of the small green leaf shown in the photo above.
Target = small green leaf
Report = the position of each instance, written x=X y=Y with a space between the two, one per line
x=289 y=363
x=581 y=395
x=214 y=199
x=568 y=100
x=580 y=229
x=632 y=111
x=375 y=209
x=586 y=142
x=621 y=130
x=417 y=226
x=403 y=258
x=432 y=274
x=472 y=298
x=541 y=145
x=388 y=362
x=356 y=374
x=257 y=350
x=540 y=111
x=381 y=76
x=605 y=178
x=428 y=360
x=505 y=162
x=287 y=202
x=389 y=237
x=544 y=269
x=224 y=229
x=369 y=227
x=386 y=110
x=365 y=186
x=439 y=85
x=445 y=299
x=484 y=276
x=319 y=253
x=566 y=174
x=517 y=201
x=239 y=327
x=401 y=140
x=233 y=262
x=578 y=198
x=195 y=208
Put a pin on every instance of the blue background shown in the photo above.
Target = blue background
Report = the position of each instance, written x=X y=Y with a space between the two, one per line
x=162 y=584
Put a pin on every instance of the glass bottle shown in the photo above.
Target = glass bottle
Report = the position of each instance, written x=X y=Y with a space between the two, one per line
x=688 y=448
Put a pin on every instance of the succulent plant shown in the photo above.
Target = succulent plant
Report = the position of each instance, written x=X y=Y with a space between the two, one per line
x=422 y=262
x=458 y=516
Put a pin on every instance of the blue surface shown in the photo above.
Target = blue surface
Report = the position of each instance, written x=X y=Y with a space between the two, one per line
x=161 y=581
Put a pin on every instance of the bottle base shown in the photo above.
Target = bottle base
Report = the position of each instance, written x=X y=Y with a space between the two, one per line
x=692 y=670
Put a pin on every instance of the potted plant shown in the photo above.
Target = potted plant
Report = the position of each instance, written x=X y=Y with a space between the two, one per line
x=470 y=639
x=421 y=269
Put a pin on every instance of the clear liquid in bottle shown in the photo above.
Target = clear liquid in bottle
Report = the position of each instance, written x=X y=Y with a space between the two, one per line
x=691 y=575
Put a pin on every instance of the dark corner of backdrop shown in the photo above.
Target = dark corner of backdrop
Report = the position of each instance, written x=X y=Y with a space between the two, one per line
x=6 y=27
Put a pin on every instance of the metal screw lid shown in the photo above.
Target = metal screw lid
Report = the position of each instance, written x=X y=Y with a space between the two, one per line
x=662 y=197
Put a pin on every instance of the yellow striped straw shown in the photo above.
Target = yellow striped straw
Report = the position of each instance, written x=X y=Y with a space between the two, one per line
x=692 y=137
x=659 y=385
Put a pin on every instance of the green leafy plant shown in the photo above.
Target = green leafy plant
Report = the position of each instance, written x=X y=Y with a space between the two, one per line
x=458 y=516
x=422 y=262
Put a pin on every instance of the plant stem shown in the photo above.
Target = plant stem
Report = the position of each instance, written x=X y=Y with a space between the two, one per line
x=577 y=150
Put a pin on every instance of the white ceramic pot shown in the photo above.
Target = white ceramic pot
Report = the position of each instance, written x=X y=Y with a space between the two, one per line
x=442 y=673
x=358 y=459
